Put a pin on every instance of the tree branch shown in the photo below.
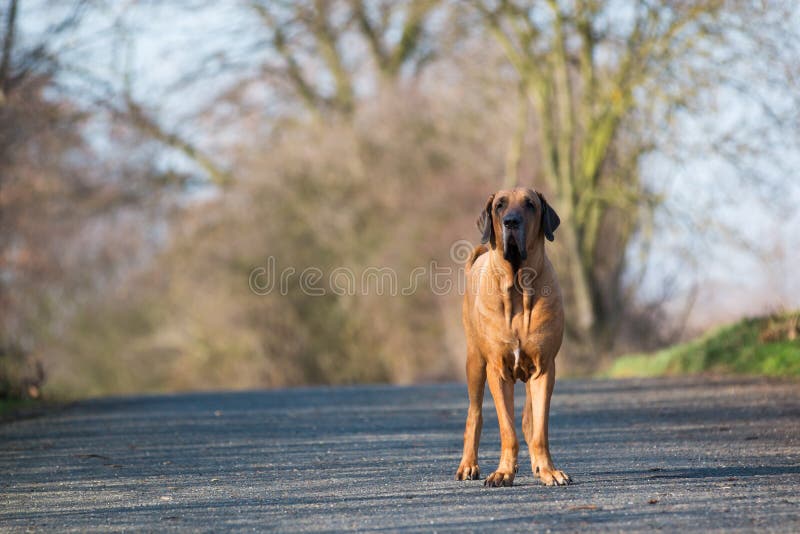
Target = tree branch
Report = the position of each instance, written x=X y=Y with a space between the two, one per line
x=146 y=124
x=8 y=46
x=410 y=37
x=327 y=43
x=372 y=34
x=294 y=73
x=564 y=105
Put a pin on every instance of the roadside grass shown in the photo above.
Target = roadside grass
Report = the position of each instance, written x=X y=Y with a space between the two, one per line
x=14 y=409
x=767 y=346
x=12 y=406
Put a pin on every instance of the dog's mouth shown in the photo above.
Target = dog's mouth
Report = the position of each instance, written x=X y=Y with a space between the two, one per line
x=514 y=249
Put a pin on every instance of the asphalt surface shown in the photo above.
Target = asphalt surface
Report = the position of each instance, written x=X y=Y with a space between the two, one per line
x=695 y=454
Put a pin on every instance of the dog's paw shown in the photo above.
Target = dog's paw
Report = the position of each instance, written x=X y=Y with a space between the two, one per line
x=468 y=471
x=550 y=476
x=500 y=478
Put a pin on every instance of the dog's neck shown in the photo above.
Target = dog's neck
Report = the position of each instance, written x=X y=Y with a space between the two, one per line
x=521 y=278
x=507 y=271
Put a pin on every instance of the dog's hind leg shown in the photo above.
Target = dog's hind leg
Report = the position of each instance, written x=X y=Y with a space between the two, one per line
x=527 y=423
x=476 y=382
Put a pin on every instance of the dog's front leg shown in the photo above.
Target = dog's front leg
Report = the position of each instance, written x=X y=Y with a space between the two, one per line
x=503 y=395
x=476 y=382
x=540 y=390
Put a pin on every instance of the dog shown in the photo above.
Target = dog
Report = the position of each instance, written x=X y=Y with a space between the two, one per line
x=513 y=318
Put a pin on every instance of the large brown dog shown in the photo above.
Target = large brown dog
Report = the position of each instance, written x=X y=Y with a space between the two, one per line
x=514 y=321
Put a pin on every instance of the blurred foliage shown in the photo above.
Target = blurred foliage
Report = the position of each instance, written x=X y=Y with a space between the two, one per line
x=70 y=215
x=20 y=376
x=328 y=134
x=309 y=198
x=11 y=407
x=759 y=346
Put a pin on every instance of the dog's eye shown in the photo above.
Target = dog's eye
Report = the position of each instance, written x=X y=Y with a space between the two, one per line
x=529 y=203
x=500 y=205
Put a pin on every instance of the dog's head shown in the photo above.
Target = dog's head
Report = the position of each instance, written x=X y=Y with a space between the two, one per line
x=520 y=217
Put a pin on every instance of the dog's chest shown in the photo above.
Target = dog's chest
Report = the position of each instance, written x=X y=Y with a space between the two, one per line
x=509 y=330
x=513 y=342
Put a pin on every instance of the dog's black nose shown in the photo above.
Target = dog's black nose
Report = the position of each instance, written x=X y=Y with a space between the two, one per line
x=512 y=220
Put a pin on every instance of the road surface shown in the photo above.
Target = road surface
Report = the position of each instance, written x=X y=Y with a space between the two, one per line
x=675 y=454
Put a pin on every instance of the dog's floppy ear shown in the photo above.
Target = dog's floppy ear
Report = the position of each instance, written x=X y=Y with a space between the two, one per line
x=485 y=224
x=550 y=219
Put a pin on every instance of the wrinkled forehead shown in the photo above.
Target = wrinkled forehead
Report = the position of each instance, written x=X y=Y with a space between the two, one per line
x=518 y=195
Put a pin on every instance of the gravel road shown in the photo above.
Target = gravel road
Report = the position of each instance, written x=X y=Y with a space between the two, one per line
x=698 y=454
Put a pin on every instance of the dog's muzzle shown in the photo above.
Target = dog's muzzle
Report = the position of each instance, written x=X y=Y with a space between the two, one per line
x=514 y=237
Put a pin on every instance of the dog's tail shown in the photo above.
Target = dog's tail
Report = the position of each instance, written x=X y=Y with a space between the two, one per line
x=477 y=251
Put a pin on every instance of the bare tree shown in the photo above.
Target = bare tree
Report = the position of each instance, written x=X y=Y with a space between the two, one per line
x=310 y=41
x=53 y=188
x=412 y=47
x=305 y=49
x=594 y=73
x=24 y=70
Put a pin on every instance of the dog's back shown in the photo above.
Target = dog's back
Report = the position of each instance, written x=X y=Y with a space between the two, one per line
x=477 y=251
